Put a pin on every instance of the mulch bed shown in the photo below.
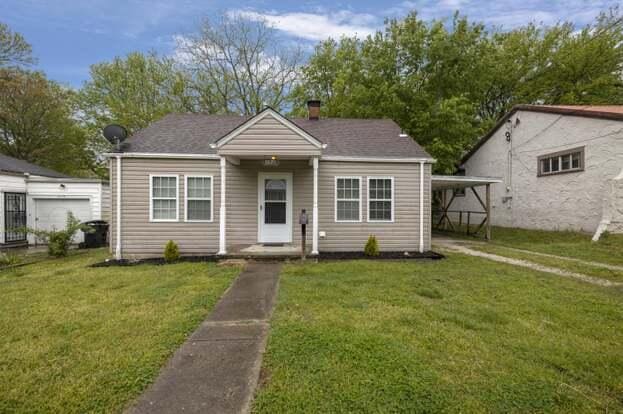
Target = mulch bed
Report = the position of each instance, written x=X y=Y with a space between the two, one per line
x=156 y=261
x=321 y=257
x=382 y=256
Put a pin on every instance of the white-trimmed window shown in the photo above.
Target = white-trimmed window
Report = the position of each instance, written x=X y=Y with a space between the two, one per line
x=198 y=200
x=348 y=199
x=381 y=199
x=163 y=193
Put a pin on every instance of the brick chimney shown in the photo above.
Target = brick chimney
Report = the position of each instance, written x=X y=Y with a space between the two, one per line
x=313 y=109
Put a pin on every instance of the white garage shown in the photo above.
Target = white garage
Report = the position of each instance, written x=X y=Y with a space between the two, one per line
x=40 y=198
x=51 y=213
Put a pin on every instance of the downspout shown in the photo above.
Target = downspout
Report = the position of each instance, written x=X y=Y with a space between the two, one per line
x=421 y=206
x=118 y=247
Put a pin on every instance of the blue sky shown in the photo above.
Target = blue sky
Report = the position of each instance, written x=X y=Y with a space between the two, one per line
x=68 y=36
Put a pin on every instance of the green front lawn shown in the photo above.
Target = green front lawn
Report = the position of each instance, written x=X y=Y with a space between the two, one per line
x=609 y=249
x=458 y=335
x=80 y=339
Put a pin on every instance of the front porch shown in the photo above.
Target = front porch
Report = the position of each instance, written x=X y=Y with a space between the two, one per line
x=281 y=160
x=261 y=202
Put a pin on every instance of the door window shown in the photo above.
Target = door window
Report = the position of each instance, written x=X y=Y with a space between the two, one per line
x=275 y=201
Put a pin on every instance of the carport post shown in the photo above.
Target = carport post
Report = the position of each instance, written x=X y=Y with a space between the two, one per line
x=488 y=201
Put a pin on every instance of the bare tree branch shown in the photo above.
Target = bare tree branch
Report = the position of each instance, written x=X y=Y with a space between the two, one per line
x=240 y=65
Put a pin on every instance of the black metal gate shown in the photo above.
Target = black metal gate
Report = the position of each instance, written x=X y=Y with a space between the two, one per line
x=14 y=217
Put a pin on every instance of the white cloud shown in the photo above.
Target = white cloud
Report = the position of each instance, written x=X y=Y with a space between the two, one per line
x=316 y=26
x=506 y=13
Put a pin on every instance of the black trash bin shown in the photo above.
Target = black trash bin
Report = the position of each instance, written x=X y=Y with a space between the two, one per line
x=98 y=237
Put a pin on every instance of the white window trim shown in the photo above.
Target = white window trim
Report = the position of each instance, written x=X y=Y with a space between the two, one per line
x=340 y=177
x=151 y=198
x=380 y=199
x=186 y=198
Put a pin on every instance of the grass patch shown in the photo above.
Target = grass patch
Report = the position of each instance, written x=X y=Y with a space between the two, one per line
x=459 y=335
x=571 y=266
x=80 y=339
x=609 y=249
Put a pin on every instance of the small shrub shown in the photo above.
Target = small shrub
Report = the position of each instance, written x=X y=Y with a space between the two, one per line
x=9 y=259
x=59 y=240
x=171 y=252
x=372 y=246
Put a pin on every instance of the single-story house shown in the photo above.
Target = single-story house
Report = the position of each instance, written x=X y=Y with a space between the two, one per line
x=40 y=198
x=216 y=184
x=561 y=168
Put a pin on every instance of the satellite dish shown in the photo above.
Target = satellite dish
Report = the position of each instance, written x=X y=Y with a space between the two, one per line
x=115 y=134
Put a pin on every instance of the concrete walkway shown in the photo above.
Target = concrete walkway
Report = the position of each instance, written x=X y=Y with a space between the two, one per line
x=217 y=369
x=461 y=248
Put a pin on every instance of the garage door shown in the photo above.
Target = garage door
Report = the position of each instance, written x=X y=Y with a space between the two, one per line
x=52 y=213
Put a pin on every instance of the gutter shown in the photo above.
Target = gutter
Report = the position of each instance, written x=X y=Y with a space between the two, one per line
x=413 y=160
x=160 y=155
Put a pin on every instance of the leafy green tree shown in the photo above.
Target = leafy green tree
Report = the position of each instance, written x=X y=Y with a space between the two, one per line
x=37 y=123
x=134 y=91
x=447 y=84
x=14 y=50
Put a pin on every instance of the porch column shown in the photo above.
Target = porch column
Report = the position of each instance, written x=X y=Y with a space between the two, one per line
x=222 y=211
x=315 y=209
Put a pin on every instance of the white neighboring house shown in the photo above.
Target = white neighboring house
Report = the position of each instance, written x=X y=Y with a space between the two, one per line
x=562 y=168
x=40 y=198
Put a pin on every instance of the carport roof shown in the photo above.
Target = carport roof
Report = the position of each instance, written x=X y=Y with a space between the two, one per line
x=444 y=182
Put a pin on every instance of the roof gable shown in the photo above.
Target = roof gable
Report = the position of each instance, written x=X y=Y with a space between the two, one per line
x=268 y=123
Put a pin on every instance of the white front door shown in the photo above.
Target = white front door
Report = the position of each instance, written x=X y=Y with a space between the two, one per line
x=275 y=207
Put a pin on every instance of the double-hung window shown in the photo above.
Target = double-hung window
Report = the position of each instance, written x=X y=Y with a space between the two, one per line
x=381 y=199
x=198 y=200
x=163 y=193
x=348 y=199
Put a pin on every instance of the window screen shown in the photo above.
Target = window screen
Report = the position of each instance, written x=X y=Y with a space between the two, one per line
x=164 y=198
x=380 y=199
x=275 y=202
x=199 y=198
x=348 y=199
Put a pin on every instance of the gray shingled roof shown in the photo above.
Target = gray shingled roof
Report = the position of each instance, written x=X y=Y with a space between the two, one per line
x=193 y=134
x=15 y=165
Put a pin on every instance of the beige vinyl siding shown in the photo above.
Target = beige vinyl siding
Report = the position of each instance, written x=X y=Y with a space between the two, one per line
x=401 y=234
x=242 y=198
x=142 y=238
x=267 y=137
